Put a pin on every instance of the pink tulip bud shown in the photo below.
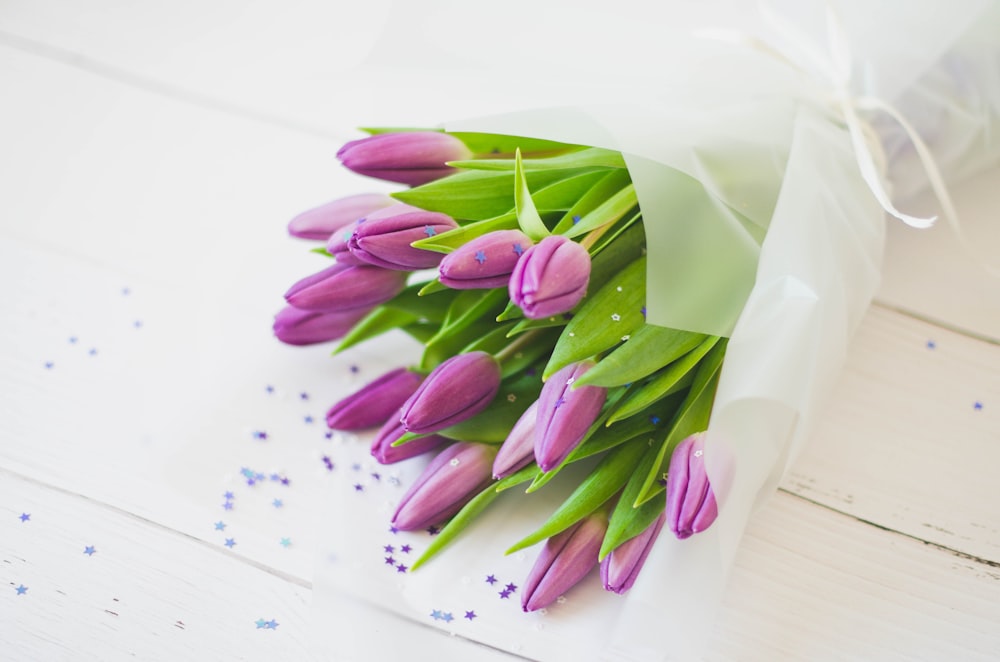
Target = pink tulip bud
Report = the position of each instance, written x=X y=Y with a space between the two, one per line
x=565 y=414
x=550 y=278
x=385 y=453
x=322 y=221
x=518 y=451
x=456 y=390
x=345 y=287
x=304 y=327
x=452 y=478
x=691 y=506
x=484 y=262
x=412 y=158
x=620 y=568
x=383 y=239
x=375 y=402
x=565 y=559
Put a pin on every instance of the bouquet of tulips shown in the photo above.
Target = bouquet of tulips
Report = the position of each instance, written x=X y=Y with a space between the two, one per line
x=537 y=354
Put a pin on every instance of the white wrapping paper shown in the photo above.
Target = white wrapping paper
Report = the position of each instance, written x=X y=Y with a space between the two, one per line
x=771 y=153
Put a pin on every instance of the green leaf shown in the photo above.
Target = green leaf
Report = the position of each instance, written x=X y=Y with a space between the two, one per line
x=443 y=346
x=648 y=349
x=494 y=423
x=432 y=307
x=476 y=195
x=524 y=353
x=626 y=248
x=496 y=144
x=448 y=241
x=626 y=521
x=590 y=157
x=432 y=286
x=471 y=306
x=602 y=190
x=692 y=417
x=613 y=209
x=614 y=311
x=602 y=484
x=374 y=324
x=527 y=215
x=562 y=195
x=377 y=130
x=669 y=380
x=321 y=250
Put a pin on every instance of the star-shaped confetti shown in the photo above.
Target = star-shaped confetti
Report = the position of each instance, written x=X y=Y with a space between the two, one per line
x=25 y=517
x=272 y=624
x=400 y=567
x=228 y=505
x=978 y=406
x=511 y=587
x=220 y=526
x=389 y=549
x=230 y=543
x=285 y=542
x=405 y=549
x=21 y=589
x=389 y=560
x=491 y=580
x=470 y=615
x=260 y=623
x=447 y=617
x=89 y=550
x=303 y=396
x=480 y=257
x=505 y=594
x=436 y=614
x=277 y=503
x=358 y=487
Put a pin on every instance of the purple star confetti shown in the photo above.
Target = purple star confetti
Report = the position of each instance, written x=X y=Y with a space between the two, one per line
x=405 y=549
x=491 y=580
x=470 y=615
x=25 y=517
x=228 y=505
x=269 y=388
x=511 y=587
x=400 y=567
x=504 y=594
x=358 y=487
x=978 y=406
x=389 y=560
x=260 y=434
x=228 y=496
x=328 y=462
x=303 y=396
x=389 y=549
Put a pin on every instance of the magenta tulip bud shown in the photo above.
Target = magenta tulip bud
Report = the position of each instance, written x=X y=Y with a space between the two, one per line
x=484 y=262
x=345 y=287
x=322 y=221
x=304 y=327
x=339 y=245
x=620 y=568
x=565 y=414
x=518 y=451
x=456 y=390
x=550 y=278
x=384 y=451
x=412 y=158
x=691 y=506
x=383 y=239
x=451 y=479
x=565 y=559
x=375 y=402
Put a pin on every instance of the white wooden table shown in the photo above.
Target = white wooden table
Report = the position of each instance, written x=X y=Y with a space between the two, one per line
x=148 y=160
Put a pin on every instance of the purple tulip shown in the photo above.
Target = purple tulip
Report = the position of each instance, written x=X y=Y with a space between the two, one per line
x=518 y=451
x=375 y=402
x=620 y=568
x=345 y=287
x=456 y=390
x=385 y=453
x=565 y=559
x=322 y=221
x=484 y=262
x=412 y=158
x=339 y=245
x=456 y=475
x=384 y=238
x=550 y=278
x=304 y=327
x=691 y=506
x=565 y=414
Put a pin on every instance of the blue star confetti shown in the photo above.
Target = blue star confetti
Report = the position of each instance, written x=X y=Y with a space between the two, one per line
x=978 y=406
x=21 y=589
x=25 y=517
x=285 y=542
x=89 y=550
x=220 y=526
x=277 y=503
x=230 y=543
x=260 y=623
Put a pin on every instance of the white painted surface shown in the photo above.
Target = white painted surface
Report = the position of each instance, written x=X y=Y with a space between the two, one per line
x=166 y=162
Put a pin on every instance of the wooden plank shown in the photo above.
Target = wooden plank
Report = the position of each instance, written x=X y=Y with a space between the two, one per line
x=911 y=438
x=146 y=592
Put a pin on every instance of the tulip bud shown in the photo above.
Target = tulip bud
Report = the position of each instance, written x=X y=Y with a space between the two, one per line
x=385 y=453
x=565 y=414
x=412 y=158
x=456 y=390
x=384 y=238
x=484 y=262
x=565 y=559
x=375 y=402
x=339 y=245
x=691 y=506
x=620 y=568
x=322 y=221
x=550 y=278
x=519 y=449
x=345 y=287
x=304 y=327
x=452 y=478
